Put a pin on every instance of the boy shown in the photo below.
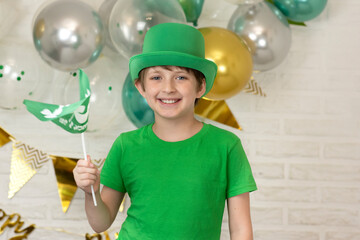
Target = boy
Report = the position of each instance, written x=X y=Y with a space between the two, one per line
x=178 y=171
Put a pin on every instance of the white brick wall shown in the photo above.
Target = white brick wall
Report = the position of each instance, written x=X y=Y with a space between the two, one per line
x=303 y=139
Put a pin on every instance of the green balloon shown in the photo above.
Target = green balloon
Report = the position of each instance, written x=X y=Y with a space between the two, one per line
x=136 y=108
x=192 y=9
x=300 y=10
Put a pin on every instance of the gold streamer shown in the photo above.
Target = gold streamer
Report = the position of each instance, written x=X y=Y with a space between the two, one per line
x=25 y=161
x=216 y=110
x=97 y=236
x=65 y=179
x=93 y=236
x=14 y=220
x=254 y=88
x=4 y=137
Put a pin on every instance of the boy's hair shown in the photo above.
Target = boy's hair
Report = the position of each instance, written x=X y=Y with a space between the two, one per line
x=199 y=76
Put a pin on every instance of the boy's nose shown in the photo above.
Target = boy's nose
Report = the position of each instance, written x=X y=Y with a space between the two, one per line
x=168 y=86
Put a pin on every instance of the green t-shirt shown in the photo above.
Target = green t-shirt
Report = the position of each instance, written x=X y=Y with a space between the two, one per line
x=177 y=189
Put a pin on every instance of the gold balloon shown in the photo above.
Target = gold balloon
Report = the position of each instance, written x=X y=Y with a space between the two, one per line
x=232 y=56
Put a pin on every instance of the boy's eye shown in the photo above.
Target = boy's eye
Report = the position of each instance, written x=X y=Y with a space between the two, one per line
x=181 y=77
x=155 y=78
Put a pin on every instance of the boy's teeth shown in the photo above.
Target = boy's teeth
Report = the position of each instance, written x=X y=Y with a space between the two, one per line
x=168 y=101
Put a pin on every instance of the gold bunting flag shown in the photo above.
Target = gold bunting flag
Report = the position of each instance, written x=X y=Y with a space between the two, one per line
x=4 y=137
x=98 y=162
x=254 y=88
x=25 y=161
x=218 y=111
x=65 y=179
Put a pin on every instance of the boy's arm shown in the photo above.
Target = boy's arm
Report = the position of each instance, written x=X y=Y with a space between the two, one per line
x=103 y=215
x=240 y=226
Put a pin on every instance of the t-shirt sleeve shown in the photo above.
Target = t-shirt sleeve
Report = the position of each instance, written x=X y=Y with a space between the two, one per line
x=111 y=175
x=239 y=175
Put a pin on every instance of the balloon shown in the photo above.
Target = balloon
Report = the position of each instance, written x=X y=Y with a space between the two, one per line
x=105 y=82
x=8 y=16
x=192 y=9
x=300 y=10
x=233 y=59
x=136 y=108
x=265 y=30
x=68 y=34
x=104 y=13
x=22 y=74
x=130 y=19
x=244 y=1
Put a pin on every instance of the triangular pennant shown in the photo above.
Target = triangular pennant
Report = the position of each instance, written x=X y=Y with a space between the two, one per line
x=218 y=111
x=25 y=161
x=98 y=162
x=72 y=117
x=4 y=137
x=65 y=179
x=254 y=88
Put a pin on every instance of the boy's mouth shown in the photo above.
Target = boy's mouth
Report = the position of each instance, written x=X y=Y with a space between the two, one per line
x=169 y=101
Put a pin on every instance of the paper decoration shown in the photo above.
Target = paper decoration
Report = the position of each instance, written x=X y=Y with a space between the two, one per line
x=218 y=111
x=4 y=137
x=25 y=161
x=72 y=117
x=254 y=88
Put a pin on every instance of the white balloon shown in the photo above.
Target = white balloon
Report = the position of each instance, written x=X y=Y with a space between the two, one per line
x=106 y=79
x=104 y=13
x=244 y=1
x=23 y=75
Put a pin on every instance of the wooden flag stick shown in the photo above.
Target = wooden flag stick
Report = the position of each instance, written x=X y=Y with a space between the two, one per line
x=85 y=157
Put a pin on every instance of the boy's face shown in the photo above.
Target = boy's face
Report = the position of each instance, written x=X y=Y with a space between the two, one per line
x=170 y=91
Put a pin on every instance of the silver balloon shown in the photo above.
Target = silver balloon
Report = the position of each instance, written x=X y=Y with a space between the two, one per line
x=130 y=20
x=68 y=34
x=266 y=31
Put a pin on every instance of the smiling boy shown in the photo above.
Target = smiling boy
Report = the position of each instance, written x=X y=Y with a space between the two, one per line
x=178 y=171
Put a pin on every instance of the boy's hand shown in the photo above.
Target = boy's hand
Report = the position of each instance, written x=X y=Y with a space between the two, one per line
x=87 y=174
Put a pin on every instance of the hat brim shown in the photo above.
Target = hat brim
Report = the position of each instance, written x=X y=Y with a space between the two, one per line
x=141 y=61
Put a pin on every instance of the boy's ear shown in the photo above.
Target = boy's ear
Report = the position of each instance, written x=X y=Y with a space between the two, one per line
x=202 y=89
x=139 y=87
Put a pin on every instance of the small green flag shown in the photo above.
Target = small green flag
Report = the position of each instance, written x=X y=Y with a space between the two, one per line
x=72 y=117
